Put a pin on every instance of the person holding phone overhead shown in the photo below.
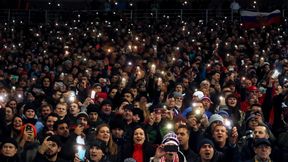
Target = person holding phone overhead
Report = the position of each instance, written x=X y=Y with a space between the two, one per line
x=169 y=150
x=28 y=144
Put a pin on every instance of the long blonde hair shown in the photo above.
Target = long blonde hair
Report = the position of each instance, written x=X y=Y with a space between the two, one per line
x=112 y=146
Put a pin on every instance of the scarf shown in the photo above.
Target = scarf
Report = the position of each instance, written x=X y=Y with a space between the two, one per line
x=175 y=159
x=138 y=153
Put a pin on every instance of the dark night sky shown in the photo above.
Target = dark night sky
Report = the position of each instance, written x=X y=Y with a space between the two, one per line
x=98 y=4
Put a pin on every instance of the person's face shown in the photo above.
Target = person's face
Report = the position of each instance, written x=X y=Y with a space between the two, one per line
x=185 y=83
x=103 y=134
x=8 y=149
x=136 y=118
x=257 y=111
x=134 y=91
x=113 y=93
x=216 y=77
x=179 y=89
x=206 y=104
x=206 y=152
x=74 y=109
x=12 y=104
x=93 y=116
x=106 y=109
x=260 y=132
x=82 y=121
x=205 y=85
x=248 y=83
x=17 y=123
x=61 y=110
x=30 y=97
x=137 y=105
x=171 y=102
x=30 y=113
x=57 y=95
x=8 y=114
x=50 y=122
x=231 y=101
x=46 y=82
x=95 y=153
x=128 y=115
x=98 y=89
x=182 y=136
x=158 y=117
x=117 y=133
x=63 y=130
x=220 y=134
x=192 y=120
x=253 y=123
x=53 y=149
x=114 y=79
x=139 y=136
x=45 y=111
x=263 y=151
x=128 y=97
x=178 y=100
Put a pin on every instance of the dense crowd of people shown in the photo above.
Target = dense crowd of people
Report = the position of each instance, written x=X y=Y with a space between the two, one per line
x=108 y=90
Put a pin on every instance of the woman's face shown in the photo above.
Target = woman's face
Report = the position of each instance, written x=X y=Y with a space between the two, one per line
x=103 y=134
x=139 y=136
x=74 y=109
x=17 y=123
x=96 y=154
x=46 y=82
x=232 y=101
x=12 y=104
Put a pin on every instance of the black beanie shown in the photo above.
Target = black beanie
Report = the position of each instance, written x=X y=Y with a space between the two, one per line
x=203 y=142
x=29 y=106
x=9 y=140
x=105 y=102
x=99 y=144
x=92 y=108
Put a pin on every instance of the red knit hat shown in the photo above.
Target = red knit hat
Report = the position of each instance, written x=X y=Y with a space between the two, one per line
x=33 y=129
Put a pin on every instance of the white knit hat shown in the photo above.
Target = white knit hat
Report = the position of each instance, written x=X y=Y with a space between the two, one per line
x=170 y=138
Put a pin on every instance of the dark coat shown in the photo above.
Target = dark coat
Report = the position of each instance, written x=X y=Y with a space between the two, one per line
x=189 y=155
x=128 y=149
x=9 y=159
x=218 y=157
x=253 y=160
x=41 y=158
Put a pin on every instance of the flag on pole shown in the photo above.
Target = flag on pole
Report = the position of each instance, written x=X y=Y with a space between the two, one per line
x=259 y=19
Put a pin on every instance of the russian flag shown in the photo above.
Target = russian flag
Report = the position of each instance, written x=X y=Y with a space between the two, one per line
x=259 y=19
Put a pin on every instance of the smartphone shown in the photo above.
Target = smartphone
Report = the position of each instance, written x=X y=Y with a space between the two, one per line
x=28 y=128
x=80 y=147
x=171 y=148
x=81 y=151
x=93 y=94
